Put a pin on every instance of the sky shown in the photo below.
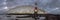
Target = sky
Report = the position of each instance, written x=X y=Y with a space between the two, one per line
x=51 y=6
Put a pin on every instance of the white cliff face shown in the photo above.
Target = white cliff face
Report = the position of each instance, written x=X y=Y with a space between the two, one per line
x=24 y=9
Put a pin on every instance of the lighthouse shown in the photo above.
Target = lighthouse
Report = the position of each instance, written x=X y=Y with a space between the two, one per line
x=36 y=12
